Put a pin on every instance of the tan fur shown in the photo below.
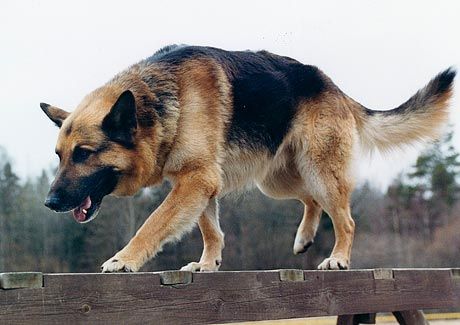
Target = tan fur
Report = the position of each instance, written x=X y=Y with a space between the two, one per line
x=308 y=226
x=321 y=144
x=213 y=240
x=188 y=146
x=192 y=165
x=389 y=132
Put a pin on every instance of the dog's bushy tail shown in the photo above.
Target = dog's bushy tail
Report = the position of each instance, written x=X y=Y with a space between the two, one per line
x=420 y=118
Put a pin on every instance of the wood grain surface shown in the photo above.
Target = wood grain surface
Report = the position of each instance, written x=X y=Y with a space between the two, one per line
x=220 y=297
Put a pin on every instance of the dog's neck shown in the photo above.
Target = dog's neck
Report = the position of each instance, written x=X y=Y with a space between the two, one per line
x=155 y=90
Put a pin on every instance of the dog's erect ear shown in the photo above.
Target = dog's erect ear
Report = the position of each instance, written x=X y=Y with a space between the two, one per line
x=121 y=122
x=55 y=114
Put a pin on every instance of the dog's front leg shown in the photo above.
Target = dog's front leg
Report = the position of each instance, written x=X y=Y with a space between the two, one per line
x=213 y=240
x=176 y=215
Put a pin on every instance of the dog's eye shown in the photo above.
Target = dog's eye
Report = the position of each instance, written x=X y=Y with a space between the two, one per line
x=80 y=154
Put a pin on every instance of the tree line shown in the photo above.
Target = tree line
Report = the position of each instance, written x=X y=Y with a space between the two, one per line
x=414 y=223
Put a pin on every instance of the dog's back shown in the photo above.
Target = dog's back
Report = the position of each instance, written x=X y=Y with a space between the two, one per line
x=265 y=89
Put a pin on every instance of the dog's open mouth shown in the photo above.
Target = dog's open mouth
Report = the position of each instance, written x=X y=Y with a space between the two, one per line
x=85 y=200
x=86 y=211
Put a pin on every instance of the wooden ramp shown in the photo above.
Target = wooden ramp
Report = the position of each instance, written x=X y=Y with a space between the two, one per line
x=179 y=297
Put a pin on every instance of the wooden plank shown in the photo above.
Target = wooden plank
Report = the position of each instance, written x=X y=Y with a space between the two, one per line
x=219 y=297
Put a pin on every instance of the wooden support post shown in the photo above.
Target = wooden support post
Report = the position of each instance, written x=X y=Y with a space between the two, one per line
x=365 y=318
x=356 y=319
x=410 y=317
x=346 y=320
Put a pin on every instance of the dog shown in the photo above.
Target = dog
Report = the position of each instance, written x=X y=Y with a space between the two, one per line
x=212 y=122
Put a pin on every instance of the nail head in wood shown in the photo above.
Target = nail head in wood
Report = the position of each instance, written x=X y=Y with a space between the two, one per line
x=19 y=280
x=85 y=308
x=176 y=277
x=383 y=274
x=292 y=275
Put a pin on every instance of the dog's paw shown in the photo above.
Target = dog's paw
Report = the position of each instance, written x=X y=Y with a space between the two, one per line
x=334 y=263
x=201 y=267
x=301 y=245
x=116 y=264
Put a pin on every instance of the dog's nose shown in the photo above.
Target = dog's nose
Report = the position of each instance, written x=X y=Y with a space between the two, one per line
x=53 y=202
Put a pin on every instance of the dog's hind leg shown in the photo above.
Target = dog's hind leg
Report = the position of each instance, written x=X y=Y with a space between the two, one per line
x=213 y=240
x=333 y=194
x=325 y=161
x=344 y=228
x=308 y=226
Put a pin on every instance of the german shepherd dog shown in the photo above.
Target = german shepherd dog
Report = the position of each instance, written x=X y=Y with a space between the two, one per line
x=211 y=122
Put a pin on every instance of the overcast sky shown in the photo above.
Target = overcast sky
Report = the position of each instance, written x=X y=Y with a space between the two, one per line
x=378 y=52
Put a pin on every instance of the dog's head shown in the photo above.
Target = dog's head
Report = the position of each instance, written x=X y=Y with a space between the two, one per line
x=95 y=147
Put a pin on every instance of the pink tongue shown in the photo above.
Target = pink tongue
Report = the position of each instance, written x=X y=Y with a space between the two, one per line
x=78 y=214
x=86 y=204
